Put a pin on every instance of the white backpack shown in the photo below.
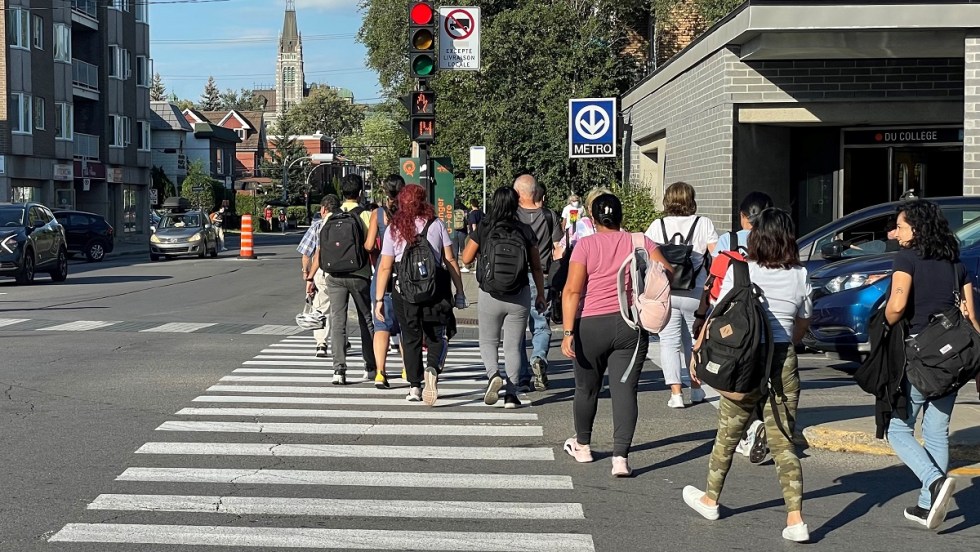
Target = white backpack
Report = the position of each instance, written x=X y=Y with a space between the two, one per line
x=644 y=301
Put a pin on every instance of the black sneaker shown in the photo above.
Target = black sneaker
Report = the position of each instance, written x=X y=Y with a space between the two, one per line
x=493 y=390
x=760 y=447
x=511 y=401
x=321 y=351
x=347 y=347
x=539 y=367
x=918 y=515
x=941 y=491
x=524 y=386
x=340 y=376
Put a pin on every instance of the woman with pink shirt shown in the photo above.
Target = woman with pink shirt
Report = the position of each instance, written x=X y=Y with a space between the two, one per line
x=597 y=338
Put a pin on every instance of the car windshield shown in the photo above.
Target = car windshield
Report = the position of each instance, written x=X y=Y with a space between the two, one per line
x=11 y=217
x=969 y=235
x=180 y=221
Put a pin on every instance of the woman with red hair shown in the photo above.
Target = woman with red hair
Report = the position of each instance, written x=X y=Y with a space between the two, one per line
x=432 y=320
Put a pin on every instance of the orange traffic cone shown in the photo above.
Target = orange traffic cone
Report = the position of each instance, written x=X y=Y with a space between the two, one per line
x=247 y=244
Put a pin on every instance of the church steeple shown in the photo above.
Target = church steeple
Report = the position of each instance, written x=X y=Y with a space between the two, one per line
x=290 y=78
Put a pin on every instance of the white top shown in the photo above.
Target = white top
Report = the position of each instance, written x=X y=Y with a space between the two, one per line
x=704 y=235
x=566 y=214
x=787 y=296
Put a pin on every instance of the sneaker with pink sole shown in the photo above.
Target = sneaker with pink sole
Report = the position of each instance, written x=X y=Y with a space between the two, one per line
x=581 y=453
x=621 y=467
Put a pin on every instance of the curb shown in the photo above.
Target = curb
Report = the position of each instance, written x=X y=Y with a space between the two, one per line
x=859 y=442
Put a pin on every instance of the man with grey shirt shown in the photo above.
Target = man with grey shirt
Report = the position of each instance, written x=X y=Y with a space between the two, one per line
x=545 y=225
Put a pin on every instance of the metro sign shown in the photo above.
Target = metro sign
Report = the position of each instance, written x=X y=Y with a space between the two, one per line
x=591 y=127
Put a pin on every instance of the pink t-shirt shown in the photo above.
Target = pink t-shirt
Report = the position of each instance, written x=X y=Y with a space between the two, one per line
x=603 y=254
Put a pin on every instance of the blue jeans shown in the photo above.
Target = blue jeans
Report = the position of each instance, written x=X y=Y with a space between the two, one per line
x=929 y=463
x=540 y=335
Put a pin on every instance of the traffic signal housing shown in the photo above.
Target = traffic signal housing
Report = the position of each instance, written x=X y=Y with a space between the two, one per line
x=422 y=29
x=421 y=125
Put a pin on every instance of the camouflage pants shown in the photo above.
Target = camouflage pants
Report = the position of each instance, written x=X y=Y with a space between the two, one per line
x=733 y=416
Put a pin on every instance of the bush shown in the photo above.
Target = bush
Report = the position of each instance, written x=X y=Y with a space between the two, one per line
x=296 y=213
x=250 y=205
x=639 y=206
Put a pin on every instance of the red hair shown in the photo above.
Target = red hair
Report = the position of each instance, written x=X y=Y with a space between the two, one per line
x=412 y=205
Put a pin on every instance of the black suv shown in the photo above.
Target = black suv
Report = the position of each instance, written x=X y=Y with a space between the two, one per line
x=31 y=240
x=87 y=233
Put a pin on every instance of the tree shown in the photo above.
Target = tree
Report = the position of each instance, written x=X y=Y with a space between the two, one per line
x=379 y=142
x=198 y=178
x=211 y=98
x=246 y=100
x=326 y=112
x=284 y=149
x=164 y=186
x=158 y=92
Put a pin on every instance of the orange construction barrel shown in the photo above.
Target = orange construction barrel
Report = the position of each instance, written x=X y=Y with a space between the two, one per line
x=247 y=245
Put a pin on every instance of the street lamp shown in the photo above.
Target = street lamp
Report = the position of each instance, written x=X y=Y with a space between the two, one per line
x=316 y=157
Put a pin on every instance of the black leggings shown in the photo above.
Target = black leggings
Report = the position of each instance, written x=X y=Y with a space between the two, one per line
x=414 y=330
x=603 y=342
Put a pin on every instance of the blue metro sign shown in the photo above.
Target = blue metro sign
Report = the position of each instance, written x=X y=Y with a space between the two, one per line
x=591 y=127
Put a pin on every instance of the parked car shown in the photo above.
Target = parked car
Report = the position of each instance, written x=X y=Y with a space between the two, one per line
x=846 y=293
x=87 y=233
x=843 y=238
x=183 y=233
x=31 y=240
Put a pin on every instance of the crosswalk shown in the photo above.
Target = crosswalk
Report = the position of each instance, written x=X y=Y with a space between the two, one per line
x=273 y=456
x=137 y=326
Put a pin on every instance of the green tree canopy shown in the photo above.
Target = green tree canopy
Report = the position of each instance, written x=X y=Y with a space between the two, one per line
x=379 y=142
x=326 y=112
x=283 y=150
x=211 y=98
x=198 y=177
x=244 y=100
x=158 y=92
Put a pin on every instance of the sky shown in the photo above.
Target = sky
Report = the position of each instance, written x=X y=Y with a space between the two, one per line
x=236 y=41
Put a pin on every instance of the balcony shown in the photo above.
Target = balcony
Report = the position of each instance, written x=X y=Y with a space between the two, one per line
x=85 y=79
x=86 y=146
x=85 y=12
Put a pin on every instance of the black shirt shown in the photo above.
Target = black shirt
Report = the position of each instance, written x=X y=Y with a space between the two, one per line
x=932 y=286
x=483 y=231
x=473 y=218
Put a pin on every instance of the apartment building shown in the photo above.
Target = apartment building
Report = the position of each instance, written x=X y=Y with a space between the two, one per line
x=76 y=77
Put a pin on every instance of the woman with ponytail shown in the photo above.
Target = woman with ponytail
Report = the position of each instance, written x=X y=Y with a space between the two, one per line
x=597 y=338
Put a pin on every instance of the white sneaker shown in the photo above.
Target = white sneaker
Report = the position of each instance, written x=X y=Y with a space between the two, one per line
x=369 y=376
x=742 y=448
x=697 y=396
x=676 y=401
x=797 y=533
x=464 y=269
x=692 y=497
x=414 y=395
x=749 y=441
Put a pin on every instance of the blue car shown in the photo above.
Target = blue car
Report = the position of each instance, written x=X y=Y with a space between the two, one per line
x=846 y=293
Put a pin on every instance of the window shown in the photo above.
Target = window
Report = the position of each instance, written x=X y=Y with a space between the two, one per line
x=131 y=212
x=121 y=5
x=20 y=113
x=127 y=64
x=118 y=62
x=38 y=32
x=64 y=121
x=39 y=113
x=18 y=28
x=62 y=42
x=242 y=133
x=119 y=134
x=127 y=131
x=219 y=166
x=143 y=137
x=141 y=11
x=142 y=71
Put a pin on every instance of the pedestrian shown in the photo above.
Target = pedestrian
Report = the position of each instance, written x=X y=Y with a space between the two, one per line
x=597 y=338
x=316 y=281
x=432 y=321
x=387 y=327
x=753 y=204
x=547 y=230
x=571 y=212
x=218 y=221
x=343 y=254
x=459 y=229
x=773 y=266
x=927 y=278
x=584 y=226
x=473 y=218
x=507 y=250
x=676 y=339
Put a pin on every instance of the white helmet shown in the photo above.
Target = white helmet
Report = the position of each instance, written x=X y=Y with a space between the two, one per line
x=311 y=319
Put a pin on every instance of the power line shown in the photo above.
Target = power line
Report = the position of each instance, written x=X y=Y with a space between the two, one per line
x=249 y=40
x=108 y=3
x=349 y=71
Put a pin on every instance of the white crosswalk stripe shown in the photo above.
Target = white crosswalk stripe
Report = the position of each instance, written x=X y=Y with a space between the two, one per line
x=79 y=326
x=11 y=321
x=179 y=327
x=281 y=404
x=272 y=329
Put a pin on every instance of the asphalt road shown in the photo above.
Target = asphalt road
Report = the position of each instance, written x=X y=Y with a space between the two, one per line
x=78 y=405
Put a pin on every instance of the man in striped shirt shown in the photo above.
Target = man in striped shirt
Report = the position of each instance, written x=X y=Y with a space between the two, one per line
x=307 y=247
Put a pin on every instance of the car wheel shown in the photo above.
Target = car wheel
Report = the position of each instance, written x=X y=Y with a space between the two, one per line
x=60 y=273
x=26 y=274
x=95 y=252
x=154 y=258
x=214 y=250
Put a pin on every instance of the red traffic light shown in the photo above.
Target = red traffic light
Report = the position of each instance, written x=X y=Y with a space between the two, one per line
x=422 y=13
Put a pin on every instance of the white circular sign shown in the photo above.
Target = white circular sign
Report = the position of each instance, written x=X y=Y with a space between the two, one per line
x=592 y=122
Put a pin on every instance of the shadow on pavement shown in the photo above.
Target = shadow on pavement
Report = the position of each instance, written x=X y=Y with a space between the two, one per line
x=968 y=505
x=699 y=452
x=86 y=280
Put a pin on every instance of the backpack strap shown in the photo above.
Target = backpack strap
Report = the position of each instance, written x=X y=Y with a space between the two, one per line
x=733 y=241
x=741 y=273
x=663 y=228
x=690 y=233
x=639 y=243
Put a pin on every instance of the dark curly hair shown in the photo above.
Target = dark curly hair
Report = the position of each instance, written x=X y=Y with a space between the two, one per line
x=931 y=235
x=772 y=243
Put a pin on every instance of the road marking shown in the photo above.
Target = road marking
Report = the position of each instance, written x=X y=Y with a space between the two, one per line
x=180 y=327
x=349 y=451
x=966 y=472
x=344 y=539
x=348 y=478
x=79 y=326
x=370 y=414
x=366 y=430
x=450 y=373
x=272 y=329
x=335 y=401
x=329 y=390
x=444 y=509
x=328 y=379
x=12 y=321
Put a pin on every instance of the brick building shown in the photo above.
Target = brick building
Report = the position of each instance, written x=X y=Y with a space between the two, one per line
x=827 y=106
x=76 y=78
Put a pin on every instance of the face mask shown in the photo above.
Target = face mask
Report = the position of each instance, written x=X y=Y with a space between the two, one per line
x=576 y=204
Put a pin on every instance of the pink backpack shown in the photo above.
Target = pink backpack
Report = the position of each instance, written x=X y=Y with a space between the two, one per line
x=646 y=303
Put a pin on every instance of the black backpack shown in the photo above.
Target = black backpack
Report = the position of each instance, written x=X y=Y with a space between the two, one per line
x=503 y=265
x=732 y=344
x=946 y=354
x=557 y=282
x=679 y=257
x=342 y=243
x=417 y=271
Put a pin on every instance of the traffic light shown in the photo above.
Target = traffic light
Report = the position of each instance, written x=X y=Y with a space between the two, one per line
x=421 y=124
x=422 y=29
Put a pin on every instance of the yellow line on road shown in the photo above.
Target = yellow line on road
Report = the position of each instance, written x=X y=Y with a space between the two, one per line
x=969 y=471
